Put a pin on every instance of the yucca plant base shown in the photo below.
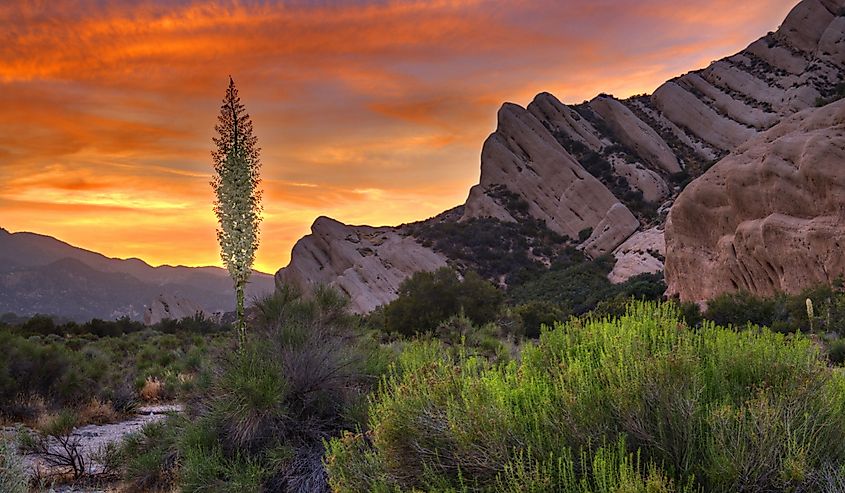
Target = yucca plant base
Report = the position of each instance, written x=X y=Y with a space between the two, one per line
x=638 y=404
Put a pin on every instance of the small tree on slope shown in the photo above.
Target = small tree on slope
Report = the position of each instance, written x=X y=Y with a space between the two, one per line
x=238 y=198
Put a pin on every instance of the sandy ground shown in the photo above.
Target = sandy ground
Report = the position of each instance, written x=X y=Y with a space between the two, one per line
x=96 y=437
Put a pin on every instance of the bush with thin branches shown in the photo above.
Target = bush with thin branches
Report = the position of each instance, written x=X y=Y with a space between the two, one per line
x=751 y=411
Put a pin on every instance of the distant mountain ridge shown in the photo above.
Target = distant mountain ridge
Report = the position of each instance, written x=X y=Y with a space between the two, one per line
x=42 y=274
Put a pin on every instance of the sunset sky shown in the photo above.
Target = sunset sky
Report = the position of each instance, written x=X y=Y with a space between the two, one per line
x=368 y=112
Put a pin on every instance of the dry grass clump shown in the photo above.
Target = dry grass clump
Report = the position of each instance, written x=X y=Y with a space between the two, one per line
x=98 y=412
x=24 y=409
x=46 y=421
x=152 y=390
x=13 y=474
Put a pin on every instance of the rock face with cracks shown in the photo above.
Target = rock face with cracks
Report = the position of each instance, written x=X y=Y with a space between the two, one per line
x=599 y=171
x=643 y=253
x=523 y=154
x=769 y=217
x=367 y=264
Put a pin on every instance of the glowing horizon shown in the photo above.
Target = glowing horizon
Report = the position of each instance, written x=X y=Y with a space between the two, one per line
x=367 y=112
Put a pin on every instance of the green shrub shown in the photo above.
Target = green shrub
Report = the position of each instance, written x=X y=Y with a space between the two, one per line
x=782 y=312
x=301 y=378
x=69 y=371
x=150 y=456
x=428 y=298
x=836 y=352
x=580 y=286
x=585 y=234
x=739 y=309
x=535 y=314
x=13 y=475
x=748 y=411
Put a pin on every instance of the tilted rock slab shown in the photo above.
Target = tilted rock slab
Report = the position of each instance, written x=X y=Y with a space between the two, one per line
x=769 y=217
x=687 y=123
x=642 y=253
x=636 y=134
x=522 y=155
x=366 y=263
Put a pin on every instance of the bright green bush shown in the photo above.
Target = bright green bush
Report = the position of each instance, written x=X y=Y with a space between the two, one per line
x=751 y=411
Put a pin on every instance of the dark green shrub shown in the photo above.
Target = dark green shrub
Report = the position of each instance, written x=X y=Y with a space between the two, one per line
x=836 y=352
x=580 y=286
x=535 y=314
x=644 y=287
x=428 y=298
x=739 y=309
x=584 y=234
x=691 y=313
x=783 y=312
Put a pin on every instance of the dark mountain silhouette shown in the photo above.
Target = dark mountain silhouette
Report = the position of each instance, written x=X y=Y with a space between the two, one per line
x=41 y=274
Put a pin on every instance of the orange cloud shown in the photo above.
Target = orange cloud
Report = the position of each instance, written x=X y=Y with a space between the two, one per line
x=372 y=112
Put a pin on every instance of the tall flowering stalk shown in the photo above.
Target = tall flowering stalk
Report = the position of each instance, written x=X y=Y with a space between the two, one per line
x=237 y=195
x=810 y=314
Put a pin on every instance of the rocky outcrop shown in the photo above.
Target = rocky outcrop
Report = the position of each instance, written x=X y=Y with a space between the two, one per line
x=523 y=156
x=769 y=217
x=166 y=306
x=544 y=152
x=636 y=134
x=367 y=264
x=644 y=252
x=598 y=172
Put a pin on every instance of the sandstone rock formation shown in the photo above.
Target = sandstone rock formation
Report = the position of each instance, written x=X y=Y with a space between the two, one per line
x=599 y=171
x=166 y=306
x=524 y=155
x=367 y=264
x=541 y=152
x=644 y=252
x=769 y=217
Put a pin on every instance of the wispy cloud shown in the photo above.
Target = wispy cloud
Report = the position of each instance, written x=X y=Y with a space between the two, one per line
x=367 y=111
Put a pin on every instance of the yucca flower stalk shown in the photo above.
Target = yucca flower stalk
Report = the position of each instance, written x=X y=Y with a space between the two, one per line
x=237 y=194
x=810 y=314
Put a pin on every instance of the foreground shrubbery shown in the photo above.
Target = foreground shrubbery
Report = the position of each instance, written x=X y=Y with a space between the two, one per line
x=642 y=403
x=13 y=475
x=263 y=419
x=40 y=373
